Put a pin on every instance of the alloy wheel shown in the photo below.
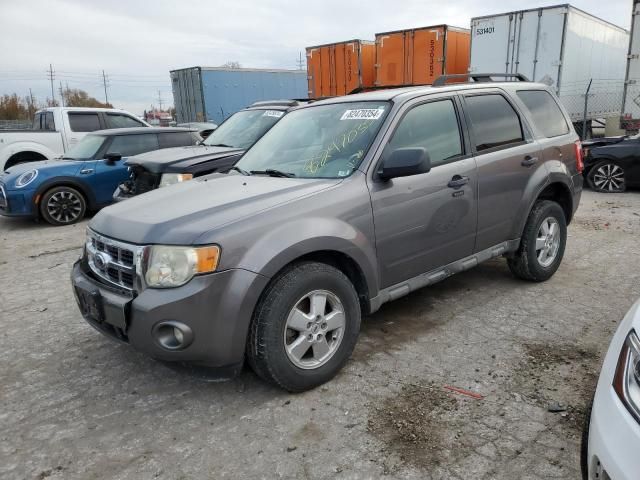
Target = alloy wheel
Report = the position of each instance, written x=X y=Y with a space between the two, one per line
x=64 y=206
x=609 y=177
x=548 y=241
x=314 y=329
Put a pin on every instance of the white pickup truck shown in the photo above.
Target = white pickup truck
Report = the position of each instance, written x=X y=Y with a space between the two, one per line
x=56 y=129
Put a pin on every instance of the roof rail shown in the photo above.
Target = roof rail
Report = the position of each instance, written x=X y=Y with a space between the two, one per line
x=386 y=87
x=478 y=77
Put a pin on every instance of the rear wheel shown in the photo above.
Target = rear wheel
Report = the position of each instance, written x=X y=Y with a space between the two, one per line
x=63 y=206
x=542 y=244
x=305 y=327
x=607 y=177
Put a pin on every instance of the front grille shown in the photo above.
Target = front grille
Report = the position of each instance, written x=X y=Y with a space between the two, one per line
x=112 y=261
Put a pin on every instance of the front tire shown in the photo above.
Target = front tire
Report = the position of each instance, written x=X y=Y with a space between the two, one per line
x=607 y=177
x=542 y=244
x=63 y=205
x=305 y=327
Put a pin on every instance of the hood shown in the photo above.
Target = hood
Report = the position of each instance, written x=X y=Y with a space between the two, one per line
x=601 y=141
x=181 y=213
x=46 y=169
x=159 y=161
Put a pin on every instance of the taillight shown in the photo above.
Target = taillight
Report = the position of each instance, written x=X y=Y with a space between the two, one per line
x=579 y=160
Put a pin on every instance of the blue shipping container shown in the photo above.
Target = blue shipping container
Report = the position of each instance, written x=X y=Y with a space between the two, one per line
x=213 y=94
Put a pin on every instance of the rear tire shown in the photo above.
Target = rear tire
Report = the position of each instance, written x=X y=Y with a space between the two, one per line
x=542 y=244
x=63 y=205
x=607 y=177
x=305 y=327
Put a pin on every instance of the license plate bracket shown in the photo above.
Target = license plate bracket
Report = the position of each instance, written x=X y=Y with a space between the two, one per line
x=91 y=304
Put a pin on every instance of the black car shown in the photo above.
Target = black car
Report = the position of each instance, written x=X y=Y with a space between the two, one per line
x=612 y=164
x=217 y=153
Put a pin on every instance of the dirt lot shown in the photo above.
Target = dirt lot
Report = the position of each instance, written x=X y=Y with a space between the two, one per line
x=76 y=405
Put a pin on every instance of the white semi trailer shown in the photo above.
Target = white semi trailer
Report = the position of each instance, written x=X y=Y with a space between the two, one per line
x=630 y=118
x=562 y=46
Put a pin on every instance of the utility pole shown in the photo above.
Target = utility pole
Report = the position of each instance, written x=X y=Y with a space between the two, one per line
x=51 y=75
x=32 y=104
x=160 y=99
x=104 y=82
x=300 y=62
x=61 y=93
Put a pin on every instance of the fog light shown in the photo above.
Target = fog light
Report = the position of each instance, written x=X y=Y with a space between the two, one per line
x=172 y=335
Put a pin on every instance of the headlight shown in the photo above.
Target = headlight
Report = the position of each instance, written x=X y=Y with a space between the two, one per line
x=170 y=267
x=171 y=178
x=26 y=178
x=626 y=382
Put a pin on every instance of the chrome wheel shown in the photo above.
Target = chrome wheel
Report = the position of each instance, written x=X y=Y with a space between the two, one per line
x=609 y=177
x=548 y=241
x=64 y=206
x=314 y=329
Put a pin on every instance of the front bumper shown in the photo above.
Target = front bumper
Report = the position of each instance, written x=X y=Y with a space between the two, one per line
x=16 y=203
x=614 y=439
x=217 y=308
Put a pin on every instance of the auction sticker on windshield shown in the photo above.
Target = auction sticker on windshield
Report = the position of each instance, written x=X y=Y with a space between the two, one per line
x=272 y=113
x=363 y=114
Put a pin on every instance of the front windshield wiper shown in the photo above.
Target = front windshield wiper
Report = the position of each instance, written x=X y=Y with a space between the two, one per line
x=238 y=169
x=273 y=173
x=219 y=145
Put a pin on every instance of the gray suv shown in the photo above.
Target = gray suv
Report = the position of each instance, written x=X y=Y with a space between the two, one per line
x=343 y=205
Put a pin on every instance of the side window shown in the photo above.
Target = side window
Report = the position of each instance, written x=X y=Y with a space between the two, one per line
x=83 y=122
x=128 y=145
x=494 y=122
x=433 y=126
x=115 y=120
x=36 y=121
x=50 y=124
x=175 y=139
x=545 y=112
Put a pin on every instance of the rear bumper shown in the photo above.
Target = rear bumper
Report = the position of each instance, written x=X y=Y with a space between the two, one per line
x=578 y=183
x=216 y=308
x=16 y=203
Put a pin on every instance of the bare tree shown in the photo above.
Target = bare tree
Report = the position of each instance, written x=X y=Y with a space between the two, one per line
x=231 y=64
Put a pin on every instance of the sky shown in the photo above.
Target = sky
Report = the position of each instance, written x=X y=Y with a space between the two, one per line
x=138 y=42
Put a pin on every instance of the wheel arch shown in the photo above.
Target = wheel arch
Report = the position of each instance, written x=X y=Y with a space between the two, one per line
x=64 y=182
x=556 y=189
x=32 y=155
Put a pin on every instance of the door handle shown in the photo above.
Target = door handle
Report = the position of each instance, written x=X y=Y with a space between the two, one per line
x=529 y=161
x=86 y=171
x=457 y=181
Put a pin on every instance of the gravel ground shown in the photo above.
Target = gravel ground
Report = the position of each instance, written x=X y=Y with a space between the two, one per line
x=76 y=405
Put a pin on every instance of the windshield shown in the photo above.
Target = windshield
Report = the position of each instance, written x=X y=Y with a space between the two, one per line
x=86 y=149
x=242 y=129
x=325 y=141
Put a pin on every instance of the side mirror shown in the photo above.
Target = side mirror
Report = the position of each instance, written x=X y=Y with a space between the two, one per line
x=113 y=157
x=404 y=162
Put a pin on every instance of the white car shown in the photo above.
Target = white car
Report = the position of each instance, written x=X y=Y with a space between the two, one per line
x=55 y=130
x=613 y=448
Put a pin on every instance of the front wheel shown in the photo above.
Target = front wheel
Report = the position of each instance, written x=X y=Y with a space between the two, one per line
x=542 y=243
x=305 y=327
x=63 y=205
x=607 y=177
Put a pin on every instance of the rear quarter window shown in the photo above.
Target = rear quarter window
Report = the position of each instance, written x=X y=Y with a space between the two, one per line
x=545 y=112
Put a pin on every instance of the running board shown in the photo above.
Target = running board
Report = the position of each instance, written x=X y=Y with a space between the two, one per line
x=404 y=288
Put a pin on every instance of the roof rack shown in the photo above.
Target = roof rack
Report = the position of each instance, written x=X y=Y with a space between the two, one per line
x=385 y=87
x=478 y=77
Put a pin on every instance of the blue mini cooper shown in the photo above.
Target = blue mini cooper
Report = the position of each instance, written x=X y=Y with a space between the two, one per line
x=61 y=191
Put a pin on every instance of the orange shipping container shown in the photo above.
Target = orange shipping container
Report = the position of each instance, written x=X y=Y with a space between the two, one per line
x=420 y=55
x=339 y=68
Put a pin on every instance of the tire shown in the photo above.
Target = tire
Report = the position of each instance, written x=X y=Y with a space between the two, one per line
x=279 y=322
x=607 y=177
x=529 y=262
x=584 y=444
x=63 y=205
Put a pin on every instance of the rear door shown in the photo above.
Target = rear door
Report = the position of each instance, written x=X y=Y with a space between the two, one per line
x=426 y=221
x=390 y=58
x=506 y=155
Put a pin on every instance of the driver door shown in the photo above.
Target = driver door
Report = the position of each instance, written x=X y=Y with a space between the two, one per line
x=426 y=221
x=108 y=175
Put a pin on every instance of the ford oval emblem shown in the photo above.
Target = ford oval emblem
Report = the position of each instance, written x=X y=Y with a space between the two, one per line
x=101 y=260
